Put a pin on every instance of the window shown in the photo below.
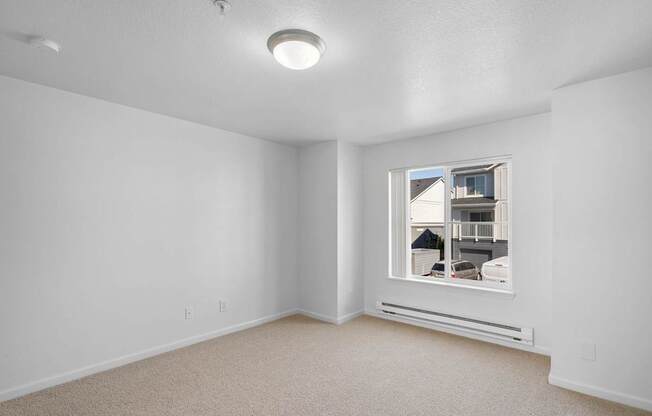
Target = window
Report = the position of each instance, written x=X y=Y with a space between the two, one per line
x=439 y=235
x=483 y=216
x=475 y=185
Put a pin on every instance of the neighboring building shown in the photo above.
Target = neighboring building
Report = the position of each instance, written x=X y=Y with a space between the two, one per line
x=427 y=219
x=427 y=206
x=480 y=211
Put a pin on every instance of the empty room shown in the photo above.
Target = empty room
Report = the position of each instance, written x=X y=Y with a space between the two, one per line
x=304 y=207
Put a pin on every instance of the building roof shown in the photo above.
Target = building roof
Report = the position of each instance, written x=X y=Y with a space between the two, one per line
x=472 y=201
x=475 y=169
x=418 y=186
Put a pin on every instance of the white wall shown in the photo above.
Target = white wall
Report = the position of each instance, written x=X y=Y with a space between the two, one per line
x=602 y=141
x=113 y=219
x=318 y=230
x=330 y=257
x=527 y=140
x=349 y=230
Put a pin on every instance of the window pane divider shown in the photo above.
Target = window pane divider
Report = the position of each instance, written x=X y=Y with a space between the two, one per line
x=448 y=232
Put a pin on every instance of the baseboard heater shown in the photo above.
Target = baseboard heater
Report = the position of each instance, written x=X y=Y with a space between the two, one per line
x=460 y=323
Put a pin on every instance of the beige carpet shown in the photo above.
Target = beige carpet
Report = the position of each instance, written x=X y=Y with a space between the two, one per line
x=299 y=366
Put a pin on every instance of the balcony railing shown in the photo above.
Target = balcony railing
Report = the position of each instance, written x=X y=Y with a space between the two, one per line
x=479 y=230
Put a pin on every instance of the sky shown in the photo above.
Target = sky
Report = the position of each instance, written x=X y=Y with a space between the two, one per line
x=426 y=173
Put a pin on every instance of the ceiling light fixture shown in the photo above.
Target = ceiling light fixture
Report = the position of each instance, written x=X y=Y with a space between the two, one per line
x=296 y=48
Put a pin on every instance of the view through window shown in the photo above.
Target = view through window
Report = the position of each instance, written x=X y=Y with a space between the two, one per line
x=457 y=223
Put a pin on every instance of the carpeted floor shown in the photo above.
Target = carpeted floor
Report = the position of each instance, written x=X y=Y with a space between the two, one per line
x=299 y=366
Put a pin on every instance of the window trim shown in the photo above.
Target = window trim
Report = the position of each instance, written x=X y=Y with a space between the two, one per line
x=447 y=281
x=455 y=286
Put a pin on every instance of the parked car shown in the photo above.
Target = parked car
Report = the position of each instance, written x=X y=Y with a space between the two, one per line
x=496 y=270
x=461 y=269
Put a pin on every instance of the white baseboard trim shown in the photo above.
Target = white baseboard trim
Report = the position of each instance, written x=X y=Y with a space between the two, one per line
x=330 y=319
x=346 y=318
x=318 y=316
x=137 y=356
x=535 y=349
x=610 y=395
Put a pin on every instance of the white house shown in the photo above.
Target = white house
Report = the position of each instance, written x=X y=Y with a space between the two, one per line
x=479 y=202
x=427 y=206
x=480 y=212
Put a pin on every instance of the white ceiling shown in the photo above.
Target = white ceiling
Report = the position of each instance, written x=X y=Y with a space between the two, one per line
x=392 y=69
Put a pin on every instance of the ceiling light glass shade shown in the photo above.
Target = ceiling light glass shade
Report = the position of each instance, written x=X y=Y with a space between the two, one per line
x=295 y=48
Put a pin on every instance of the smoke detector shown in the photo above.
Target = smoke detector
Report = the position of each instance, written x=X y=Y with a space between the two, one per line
x=223 y=5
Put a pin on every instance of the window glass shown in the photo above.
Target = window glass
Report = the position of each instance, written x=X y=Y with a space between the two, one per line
x=484 y=216
x=427 y=205
x=475 y=185
x=452 y=223
x=470 y=185
x=479 y=185
x=479 y=234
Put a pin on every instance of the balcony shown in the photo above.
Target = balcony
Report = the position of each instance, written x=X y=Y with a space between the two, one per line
x=479 y=231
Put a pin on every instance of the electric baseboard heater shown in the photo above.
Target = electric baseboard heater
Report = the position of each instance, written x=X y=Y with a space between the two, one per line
x=460 y=323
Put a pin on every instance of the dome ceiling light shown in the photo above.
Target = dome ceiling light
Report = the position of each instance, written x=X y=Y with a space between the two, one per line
x=295 y=48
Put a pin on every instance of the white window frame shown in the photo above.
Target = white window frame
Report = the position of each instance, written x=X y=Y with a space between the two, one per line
x=448 y=221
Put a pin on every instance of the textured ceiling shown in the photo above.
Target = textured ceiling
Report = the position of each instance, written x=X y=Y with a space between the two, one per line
x=392 y=69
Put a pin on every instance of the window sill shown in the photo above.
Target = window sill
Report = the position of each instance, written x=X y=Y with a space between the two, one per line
x=479 y=289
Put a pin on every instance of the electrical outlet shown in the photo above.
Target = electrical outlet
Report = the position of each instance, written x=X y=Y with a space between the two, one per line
x=222 y=306
x=189 y=313
x=587 y=351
